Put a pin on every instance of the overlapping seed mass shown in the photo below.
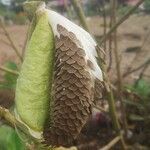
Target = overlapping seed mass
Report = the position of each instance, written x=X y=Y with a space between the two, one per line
x=73 y=94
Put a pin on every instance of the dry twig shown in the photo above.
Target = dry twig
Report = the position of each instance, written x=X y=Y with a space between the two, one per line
x=128 y=70
x=110 y=41
x=126 y=16
x=111 y=144
x=143 y=70
x=119 y=77
x=146 y=63
x=80 y=13
x=5 y=42
x=10 y=39
x=9 y=70
x=105 y=23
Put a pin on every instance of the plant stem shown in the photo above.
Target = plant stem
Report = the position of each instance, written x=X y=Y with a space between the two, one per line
x=110 y=40
x=146 y=63
x=112 y=109
x=113 y=113
x=105 y=23
x=80 y=13
x=67 y=9
x=9 y=70
x=11 y=41
x=114 y=6
x=111 y=102
x=7 y=116
x=121 y=20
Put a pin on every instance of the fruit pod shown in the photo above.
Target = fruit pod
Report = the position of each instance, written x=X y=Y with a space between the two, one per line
x=34 y=83
x=75 y=73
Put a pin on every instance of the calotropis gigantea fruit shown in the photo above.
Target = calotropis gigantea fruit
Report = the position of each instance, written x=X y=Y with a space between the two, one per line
x=34 y=82
x=75 y=76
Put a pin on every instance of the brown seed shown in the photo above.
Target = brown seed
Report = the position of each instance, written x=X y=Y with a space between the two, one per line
x=65 y=116
x=83 y=72
x=80 y=107
x=84 y=90
x=70 y=123
x=66 y=67
x=77 y=122
x=58 y=131
x=72 y=36
x=65 y=58
x=71 y=95
x=78 y=84
x=63 y=98
x=60 y=56
x=87 y=75
x=66 y=76
x=72 y=80
x=86 y=103
x=59 y=88
x=64 y=48
x=78 y=93
x=72 y=116
x=81 y=52
x=57 y=96
x=65 y=84
x=70 y=61
x=72 y=46
x=63 y=122
x=84 y=112
x=59 y=65
x=58 y=44
x=71 y=70
x=73 y=87
x=68 y=102
x=75 y=101
x=83 y=98
x=81 y=63
x=74 y=108
x=64 y=92
x=76 y=66
x=60 y=81
x=60 y=28
x=78 y=75
x=79 y=115
x=62 y=38
x=70 y=52
x=90 y=64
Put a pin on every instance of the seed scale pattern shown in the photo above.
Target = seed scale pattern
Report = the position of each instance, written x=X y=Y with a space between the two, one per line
x=73 y=90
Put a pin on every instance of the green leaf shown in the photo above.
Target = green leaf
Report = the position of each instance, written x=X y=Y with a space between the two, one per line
x=9 y=139
x=143 y=88
x=9 y=79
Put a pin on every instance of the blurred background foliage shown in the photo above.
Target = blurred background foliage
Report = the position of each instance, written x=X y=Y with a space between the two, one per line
x=9 y=79
x=11 y=10
x=9 y=139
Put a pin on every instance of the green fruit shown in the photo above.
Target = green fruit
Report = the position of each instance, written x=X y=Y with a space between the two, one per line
x=34 y=83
